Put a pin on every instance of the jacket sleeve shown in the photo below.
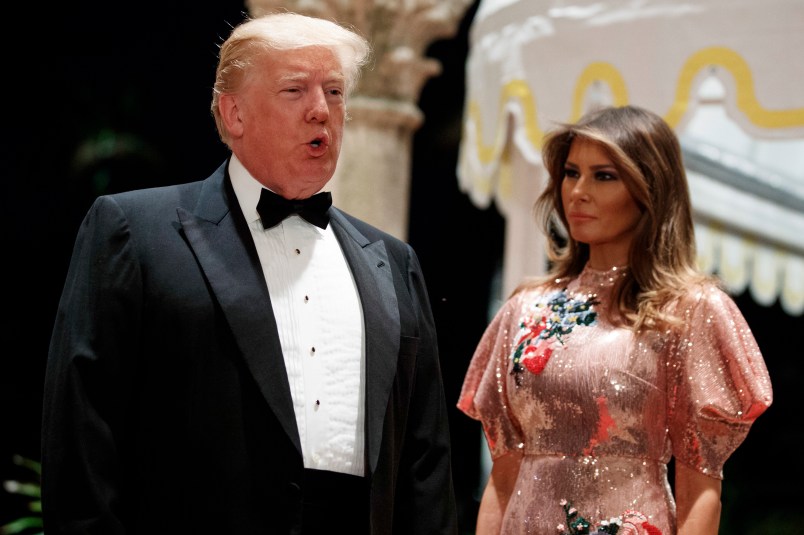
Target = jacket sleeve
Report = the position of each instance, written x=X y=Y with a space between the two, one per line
x=425 y=493
x=87 y=380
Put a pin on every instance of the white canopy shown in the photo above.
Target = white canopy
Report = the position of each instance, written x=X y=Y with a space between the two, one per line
x=726 y=74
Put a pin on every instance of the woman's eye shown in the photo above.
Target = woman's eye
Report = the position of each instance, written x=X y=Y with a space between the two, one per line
x=605 y=175
x=570 y=173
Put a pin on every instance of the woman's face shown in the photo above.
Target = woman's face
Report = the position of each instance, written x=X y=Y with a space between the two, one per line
x=600 y=210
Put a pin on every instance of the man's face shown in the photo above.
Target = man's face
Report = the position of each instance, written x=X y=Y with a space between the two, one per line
x=291 y=115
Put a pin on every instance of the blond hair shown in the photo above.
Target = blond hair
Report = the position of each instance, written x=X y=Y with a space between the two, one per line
x=256 y=37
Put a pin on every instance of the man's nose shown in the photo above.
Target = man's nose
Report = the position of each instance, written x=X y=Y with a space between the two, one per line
x=318 y=111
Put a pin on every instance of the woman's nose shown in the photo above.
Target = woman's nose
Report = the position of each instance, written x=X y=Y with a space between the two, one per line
x=579 y=189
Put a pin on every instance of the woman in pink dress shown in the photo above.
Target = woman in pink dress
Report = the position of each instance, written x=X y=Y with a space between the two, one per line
x=589 y=381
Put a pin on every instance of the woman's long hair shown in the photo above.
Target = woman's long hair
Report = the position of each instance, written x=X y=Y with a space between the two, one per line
x=646 y=152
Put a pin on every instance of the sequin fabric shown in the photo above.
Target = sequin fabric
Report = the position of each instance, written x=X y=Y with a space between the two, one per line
x=597 y=410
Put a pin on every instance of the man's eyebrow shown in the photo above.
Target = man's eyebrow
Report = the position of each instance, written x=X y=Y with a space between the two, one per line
x=293 y=77
x=334 y=76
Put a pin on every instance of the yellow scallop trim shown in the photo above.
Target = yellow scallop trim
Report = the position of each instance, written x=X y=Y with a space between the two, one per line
x=516 y=90
x=746 y=98
x=747 y=103
x=598 y=72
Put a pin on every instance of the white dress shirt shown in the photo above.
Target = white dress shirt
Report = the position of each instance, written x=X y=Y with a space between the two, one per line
x=320 y=322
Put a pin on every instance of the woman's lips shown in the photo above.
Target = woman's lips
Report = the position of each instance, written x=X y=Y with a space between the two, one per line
x=579 y=216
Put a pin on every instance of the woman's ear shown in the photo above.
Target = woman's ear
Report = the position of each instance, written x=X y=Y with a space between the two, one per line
x=230 y=111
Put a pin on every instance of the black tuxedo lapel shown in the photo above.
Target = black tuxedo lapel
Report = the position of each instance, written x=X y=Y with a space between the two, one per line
x=225 y=250
x=372 y=273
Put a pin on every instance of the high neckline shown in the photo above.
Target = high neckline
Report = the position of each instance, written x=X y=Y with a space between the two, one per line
x=603 y=278
x=612 y=269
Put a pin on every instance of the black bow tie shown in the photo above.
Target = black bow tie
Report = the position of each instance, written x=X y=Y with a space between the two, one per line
x=273 y=208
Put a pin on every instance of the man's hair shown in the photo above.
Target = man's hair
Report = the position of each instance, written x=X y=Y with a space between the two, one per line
x=253 y=38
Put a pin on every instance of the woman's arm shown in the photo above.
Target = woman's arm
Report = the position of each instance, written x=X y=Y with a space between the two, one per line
x=504 y=472
x=697 y=502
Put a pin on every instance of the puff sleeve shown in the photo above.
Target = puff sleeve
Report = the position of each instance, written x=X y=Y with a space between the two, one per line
x=719 y=383
x=484 y=395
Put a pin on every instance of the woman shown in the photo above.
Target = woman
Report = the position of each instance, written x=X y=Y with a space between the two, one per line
x=589 y=381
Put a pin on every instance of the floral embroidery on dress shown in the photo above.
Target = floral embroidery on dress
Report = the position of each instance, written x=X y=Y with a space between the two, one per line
x=546 y=323
x=629 y=523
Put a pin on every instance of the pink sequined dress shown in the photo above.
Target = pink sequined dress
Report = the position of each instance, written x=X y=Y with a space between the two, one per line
x=598 y=410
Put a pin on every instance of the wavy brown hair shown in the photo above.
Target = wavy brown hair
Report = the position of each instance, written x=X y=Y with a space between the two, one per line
x=647 y=154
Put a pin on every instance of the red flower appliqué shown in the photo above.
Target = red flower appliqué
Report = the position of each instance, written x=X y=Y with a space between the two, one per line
x=535 y=361
x=548 y=324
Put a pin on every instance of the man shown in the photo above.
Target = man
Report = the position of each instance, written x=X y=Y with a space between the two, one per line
x=215 y=368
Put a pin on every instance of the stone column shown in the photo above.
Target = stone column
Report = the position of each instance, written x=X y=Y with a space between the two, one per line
x=372 y=181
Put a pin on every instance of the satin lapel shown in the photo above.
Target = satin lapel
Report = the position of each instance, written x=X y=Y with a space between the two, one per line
x=372 y=273
x=225 y=250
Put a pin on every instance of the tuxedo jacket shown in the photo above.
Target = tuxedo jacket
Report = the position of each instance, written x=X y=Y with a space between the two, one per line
x=167 y=407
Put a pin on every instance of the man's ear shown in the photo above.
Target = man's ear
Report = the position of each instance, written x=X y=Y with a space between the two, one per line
x=230 y=114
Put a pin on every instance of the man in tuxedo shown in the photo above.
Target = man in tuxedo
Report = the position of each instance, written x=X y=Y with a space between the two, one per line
x=237 y=356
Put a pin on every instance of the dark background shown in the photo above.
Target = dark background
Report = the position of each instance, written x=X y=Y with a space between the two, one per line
x=104 y=97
